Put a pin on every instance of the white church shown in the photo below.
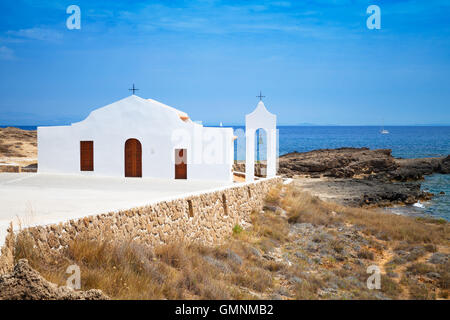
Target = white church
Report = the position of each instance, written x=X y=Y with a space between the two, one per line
x=136 y=137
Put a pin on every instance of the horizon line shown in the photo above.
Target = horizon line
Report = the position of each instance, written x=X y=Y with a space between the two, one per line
x=278 y=125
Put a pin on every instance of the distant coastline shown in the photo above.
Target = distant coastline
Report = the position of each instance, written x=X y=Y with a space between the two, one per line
x=34 y=127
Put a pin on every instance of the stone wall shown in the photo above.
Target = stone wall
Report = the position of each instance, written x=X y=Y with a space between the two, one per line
x=9 y=168
x=207 y=218
x=17 y=169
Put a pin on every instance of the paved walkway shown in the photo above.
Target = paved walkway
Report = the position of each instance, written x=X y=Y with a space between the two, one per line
x=32 y=199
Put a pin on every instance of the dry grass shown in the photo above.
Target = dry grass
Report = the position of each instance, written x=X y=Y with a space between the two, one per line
x=273 y=196
x=302 y=207
x=15 y=142
x=366 y=254
x=128 y=270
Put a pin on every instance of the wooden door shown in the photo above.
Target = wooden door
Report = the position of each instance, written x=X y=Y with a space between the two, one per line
x=180 y=164
x=133 y=158
x=87 y=155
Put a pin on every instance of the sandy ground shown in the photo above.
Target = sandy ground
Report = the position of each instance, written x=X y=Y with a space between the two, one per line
x=323 y=188
x=29 y=198
x=18 y=147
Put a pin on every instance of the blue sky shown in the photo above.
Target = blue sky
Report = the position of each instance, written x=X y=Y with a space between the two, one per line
x=315 y=60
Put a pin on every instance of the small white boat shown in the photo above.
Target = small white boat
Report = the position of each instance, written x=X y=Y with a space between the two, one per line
x=383 y=130
x=221 y=124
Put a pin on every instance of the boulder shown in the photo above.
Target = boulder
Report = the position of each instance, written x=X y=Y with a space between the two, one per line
x=25 y=283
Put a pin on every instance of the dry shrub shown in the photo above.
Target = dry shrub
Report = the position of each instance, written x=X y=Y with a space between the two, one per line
x=444 y=281
x=366 y=254
x=420 y=291
x=307 y=289
x=337 y=246
x=420 y=268
x=273 y=196
x=390 y=287
x=254 y=278
x=429 y=247
x=24 y=248
x=270 y=225
x=302 y=207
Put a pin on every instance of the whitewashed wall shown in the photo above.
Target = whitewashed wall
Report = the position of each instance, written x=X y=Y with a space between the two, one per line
x=260 y=118
x=158 y=128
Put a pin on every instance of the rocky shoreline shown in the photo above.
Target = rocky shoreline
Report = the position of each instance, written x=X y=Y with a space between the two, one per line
x=359 y=176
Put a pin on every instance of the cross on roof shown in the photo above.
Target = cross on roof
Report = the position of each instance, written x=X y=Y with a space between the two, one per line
x=260 y=96
x=133 y=89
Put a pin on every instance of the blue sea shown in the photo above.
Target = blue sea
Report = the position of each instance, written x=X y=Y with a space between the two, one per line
x=405 y=142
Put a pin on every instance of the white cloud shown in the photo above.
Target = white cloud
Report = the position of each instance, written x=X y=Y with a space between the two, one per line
x=6 y=53
x=36 y=34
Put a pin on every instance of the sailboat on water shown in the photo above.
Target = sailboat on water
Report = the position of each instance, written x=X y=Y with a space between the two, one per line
x=383 y=130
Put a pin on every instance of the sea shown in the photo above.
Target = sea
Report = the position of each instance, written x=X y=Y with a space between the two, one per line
x=404 y=141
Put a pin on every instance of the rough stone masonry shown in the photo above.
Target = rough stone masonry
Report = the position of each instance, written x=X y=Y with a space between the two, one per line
x=207 y=218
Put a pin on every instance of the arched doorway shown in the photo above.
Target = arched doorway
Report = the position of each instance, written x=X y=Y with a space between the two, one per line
x=133 y=158
x=261 y=152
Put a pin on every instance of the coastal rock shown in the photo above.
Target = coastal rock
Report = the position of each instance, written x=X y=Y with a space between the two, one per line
x=24 y=283
x=337 y=163
x=351 y=162
x=415 y=169
x=360 y=176
x=439 y=258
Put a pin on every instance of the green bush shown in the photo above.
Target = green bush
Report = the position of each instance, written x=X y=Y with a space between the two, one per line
x=237 y=229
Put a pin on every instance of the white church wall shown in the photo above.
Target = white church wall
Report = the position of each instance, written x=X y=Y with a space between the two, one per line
x=58 y=151
x=159 y=130
x=214 y=159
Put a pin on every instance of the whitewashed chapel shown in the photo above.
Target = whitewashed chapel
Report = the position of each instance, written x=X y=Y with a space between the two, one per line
x=136 y=137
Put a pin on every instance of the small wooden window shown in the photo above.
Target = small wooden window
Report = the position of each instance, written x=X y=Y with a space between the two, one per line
x=87 y=155
x=191 y=209
x=225 y=206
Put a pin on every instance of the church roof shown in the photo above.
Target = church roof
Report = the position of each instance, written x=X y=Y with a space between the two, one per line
x=138 y=106
x=183 y=115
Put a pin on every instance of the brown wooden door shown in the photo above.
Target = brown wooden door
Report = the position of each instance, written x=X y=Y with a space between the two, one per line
x=133 y=158
x=180 y=164
x=87 y=155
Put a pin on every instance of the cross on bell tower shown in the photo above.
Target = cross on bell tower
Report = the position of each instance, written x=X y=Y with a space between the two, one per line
x=260 y=96
x=133 y=89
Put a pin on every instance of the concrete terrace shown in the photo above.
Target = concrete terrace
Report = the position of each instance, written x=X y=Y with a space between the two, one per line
x=34 y=199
